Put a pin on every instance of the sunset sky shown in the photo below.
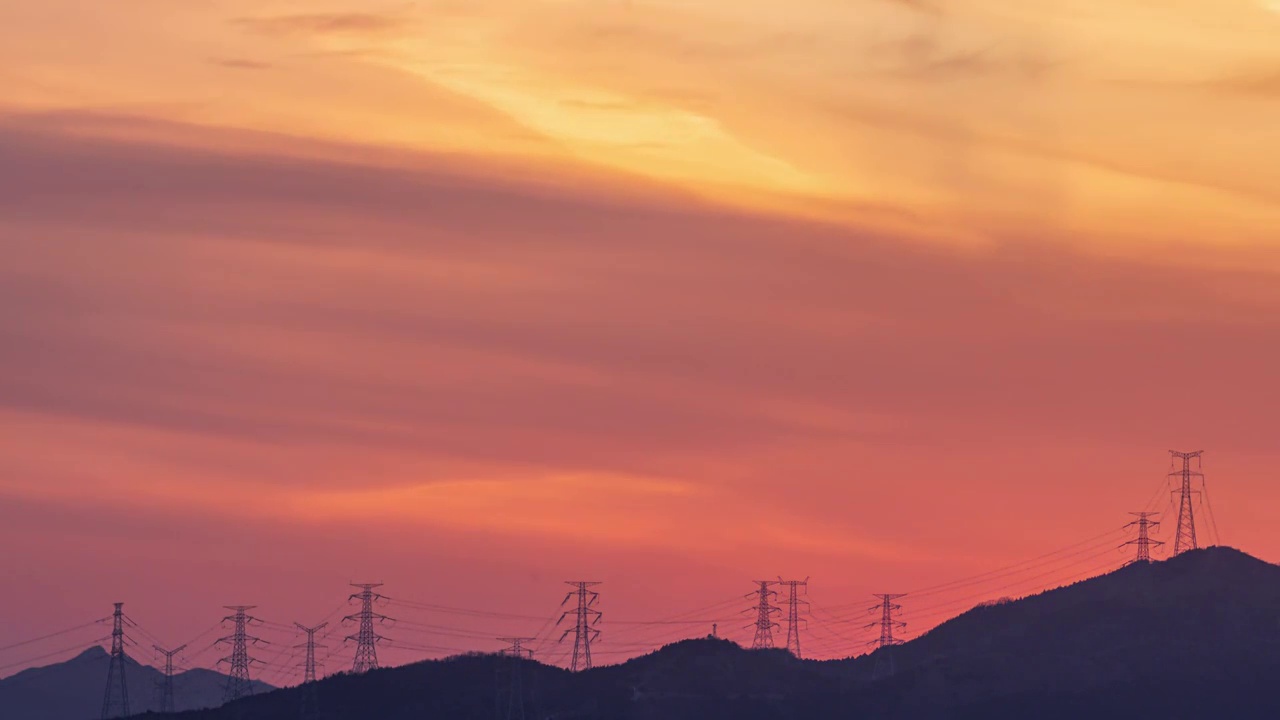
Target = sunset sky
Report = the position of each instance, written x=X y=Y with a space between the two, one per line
x=473 y=297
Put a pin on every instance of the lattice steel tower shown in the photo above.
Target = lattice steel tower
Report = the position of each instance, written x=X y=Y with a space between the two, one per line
x=309 y=664
x=1144 y=523
x=513 y=707
x=764 y=610
x=366 y=638
x=116 y=696
x=238 y=682
x=793 y=612
x=1186 y=537
x=887 y=624
x=585 y=619
x=309 y=700
x=165 y=684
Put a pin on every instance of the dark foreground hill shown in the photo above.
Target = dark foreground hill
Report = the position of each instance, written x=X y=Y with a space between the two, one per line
x=72 y=690
x=1193 y=637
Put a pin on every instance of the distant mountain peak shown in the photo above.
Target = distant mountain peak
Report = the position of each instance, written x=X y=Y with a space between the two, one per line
x=1218 y=554
x=93 y=651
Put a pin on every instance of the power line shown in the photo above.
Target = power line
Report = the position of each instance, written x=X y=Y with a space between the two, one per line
x=54 y=654
x=459 y=611
x=99 y=621
x=1006 y=570
x=966 y=599
x=1057 y=563
x=647 y=629
x=445 y=630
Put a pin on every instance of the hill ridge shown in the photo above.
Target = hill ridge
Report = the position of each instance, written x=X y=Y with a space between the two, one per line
x=1173 y=639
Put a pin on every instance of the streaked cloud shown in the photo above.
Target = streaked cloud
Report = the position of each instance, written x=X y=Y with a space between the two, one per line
x=517 y=290
x=322 y=24
x=241 y=64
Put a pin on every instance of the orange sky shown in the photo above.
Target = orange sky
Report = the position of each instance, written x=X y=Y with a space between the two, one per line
x=476 y=297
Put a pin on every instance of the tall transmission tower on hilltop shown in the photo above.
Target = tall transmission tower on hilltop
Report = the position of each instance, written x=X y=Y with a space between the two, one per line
x=515 y=646
x=116 y=697
x=1144 y=523
x=238 y=682
x=366 y=637
x=887 y=624
x=764 y=609
x=586 y=618
x=793 y=612
x=1186 y=536
x=310 y=702
x=165 y=685
x=309 y=663
x=513 y=708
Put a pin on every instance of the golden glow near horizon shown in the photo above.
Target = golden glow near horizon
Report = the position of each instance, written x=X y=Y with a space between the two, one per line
x=1099 y=122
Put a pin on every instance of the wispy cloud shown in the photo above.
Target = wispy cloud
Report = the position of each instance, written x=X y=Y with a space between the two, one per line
x=929 y=56
x=925 y=6
x=323 y=24
x=1264 y=83
x=241 y=64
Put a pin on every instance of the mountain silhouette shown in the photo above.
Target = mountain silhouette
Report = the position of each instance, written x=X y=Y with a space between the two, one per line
x=72 y=690
x=1191 y=637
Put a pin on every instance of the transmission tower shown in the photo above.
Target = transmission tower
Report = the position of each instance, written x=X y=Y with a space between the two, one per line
x=165 y=686
x=115 y=671
x=310 y=702
x=886 y=607
x=1144 y=523
x=238 y=683
x=764 y=610
x=366 y=638
x=516 y=646
x=793 y=612
x=513 y=708
x=309 y=664
x=585 y=619
x=1186 y=538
